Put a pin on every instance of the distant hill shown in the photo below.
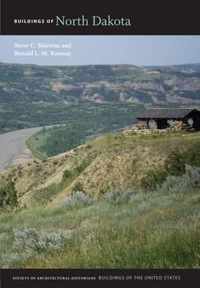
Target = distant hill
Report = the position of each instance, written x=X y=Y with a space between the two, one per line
x=32 y=95
x=100 y=83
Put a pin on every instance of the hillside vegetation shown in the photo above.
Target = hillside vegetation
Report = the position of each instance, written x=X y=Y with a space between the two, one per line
x=82 y=122
x=120 y=200
x=32 y=95
x=113 y=162
x=97 y=83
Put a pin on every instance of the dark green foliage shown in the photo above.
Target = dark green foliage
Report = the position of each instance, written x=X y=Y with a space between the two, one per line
x=67 y=174
x=175 y=164
x=81 y=122
x=153 y=178
x=78 y=187
x=8 y=195
x=82 y=166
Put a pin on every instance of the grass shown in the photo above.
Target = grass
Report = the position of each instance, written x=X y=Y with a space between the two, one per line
x=145 y=231
x=103 y=215
x=33 y=142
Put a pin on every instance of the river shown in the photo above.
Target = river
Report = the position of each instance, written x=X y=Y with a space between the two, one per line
x=13 y=148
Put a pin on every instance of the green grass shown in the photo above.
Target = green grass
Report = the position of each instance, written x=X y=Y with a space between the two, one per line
x=150 y=230
x=34 y=142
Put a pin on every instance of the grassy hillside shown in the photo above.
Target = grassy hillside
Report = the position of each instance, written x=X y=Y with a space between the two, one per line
x=120 y=200
x=112 y=162
x=142 y=230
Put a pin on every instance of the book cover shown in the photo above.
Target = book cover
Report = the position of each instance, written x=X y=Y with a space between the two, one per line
x=99 y=144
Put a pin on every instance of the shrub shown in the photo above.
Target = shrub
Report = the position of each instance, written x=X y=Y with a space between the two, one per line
x=78 y=186
x=177 y=160
x=8 y=195
x=184 y=183
x=32 y=240
x=45 y=194
x=66 y=174
x=193 y=175
x=153 y=178
x=118 y=197
x=77 y=199
x=55 y=162
x=29 y=242
x=175 y=163
x=82 y=166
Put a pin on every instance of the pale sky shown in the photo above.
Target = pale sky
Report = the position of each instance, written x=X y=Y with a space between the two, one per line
x=137 y=50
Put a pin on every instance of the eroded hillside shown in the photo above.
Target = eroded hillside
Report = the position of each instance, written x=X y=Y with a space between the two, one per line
x=114 y=162
x=99 y=83
x=122 y=200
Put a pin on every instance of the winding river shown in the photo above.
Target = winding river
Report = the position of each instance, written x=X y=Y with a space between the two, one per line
x=13 y=148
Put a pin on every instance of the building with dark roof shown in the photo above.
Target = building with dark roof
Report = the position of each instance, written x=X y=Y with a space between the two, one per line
x=161 y=117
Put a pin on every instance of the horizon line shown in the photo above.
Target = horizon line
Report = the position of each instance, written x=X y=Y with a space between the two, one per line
x=105 y=64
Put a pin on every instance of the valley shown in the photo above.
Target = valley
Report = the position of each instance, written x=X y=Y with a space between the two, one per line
x=33 y=95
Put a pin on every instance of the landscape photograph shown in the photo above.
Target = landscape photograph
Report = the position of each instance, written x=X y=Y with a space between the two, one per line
x=100 y=152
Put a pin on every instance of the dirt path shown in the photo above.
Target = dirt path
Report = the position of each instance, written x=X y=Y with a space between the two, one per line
x=13 y=149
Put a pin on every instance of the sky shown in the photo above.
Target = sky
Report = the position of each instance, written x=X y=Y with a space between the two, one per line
x=136 y=50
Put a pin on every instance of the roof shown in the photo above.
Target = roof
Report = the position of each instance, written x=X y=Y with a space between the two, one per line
x=165 y=113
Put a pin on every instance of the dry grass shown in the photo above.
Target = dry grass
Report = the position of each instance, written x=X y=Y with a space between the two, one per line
x=114 y=162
